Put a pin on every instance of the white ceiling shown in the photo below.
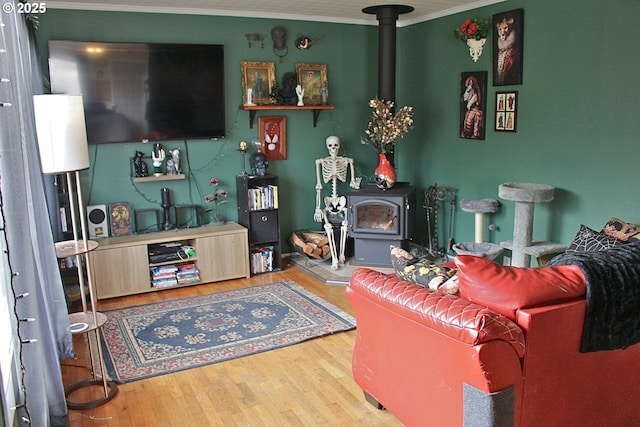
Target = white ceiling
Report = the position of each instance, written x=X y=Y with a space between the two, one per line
x=341 y=11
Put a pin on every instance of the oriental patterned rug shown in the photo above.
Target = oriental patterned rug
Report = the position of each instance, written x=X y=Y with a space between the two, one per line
x=160 y=338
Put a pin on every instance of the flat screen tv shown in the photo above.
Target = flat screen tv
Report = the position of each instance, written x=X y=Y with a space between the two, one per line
x=143 y=91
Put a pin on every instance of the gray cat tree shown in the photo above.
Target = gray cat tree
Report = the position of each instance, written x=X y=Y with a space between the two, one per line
x=523 y=247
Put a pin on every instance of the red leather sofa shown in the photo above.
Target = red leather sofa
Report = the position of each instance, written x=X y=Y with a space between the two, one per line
x=433 y=359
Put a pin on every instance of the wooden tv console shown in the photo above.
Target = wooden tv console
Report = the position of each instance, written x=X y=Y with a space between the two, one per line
x=121 y=265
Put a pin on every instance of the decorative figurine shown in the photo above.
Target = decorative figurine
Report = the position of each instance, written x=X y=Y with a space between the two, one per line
x=173 y=164
x=279 y=36
x=166 y=205
x=288 y=92
x=324 y=93
x=243 y=150
x=249 y=96
x=158 y=155
x=300 y=93
x=303 y=42
x=259 y=163
x=275 y=95
x=331 y=169
x=140 y=166
x=171 y=169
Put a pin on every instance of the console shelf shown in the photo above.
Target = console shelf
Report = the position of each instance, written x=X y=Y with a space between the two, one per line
x=253 y=109
x=121 y=265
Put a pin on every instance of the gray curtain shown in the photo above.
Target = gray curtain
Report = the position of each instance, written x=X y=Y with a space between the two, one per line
x=29 y=237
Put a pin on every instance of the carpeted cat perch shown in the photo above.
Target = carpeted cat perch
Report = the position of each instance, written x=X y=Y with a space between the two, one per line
x=522 y=245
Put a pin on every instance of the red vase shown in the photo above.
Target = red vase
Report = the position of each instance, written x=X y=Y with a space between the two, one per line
x=385 y=174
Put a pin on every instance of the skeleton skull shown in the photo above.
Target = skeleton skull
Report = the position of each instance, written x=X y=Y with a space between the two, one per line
x=333 y=145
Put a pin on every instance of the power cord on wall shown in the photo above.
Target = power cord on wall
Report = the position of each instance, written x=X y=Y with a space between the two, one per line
x=26 y=418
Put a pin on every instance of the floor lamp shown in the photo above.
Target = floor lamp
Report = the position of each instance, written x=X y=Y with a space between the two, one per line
x=62 y=141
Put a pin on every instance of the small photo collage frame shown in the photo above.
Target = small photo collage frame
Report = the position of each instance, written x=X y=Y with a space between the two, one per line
x=506 y=111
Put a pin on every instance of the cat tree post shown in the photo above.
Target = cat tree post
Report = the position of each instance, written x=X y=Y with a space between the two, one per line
x=479 y=247
x=525 y=195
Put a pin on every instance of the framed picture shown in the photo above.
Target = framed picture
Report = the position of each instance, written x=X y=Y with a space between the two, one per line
x=507 y=48
x=473 y=104
x=273 y=136
x=506 y=111
x=120 y=218
x=259 y=77
x=312 y=78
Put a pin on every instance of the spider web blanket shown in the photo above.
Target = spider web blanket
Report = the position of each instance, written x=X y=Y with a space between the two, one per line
x=612 y=318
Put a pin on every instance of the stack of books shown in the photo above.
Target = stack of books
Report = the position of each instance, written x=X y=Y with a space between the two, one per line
x=187 y=274
x=173 y=275
x=262 y=259
x=263 y=197
x=164 y=276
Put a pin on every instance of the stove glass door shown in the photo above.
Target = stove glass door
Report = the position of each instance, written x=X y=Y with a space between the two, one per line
x=378 y=216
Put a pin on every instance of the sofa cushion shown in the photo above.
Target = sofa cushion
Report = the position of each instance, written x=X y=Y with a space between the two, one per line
x=508 y=289
x=587 y=240
x=621 y=230
x=422 y=271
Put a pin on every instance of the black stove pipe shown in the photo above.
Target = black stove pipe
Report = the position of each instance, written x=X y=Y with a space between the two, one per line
x=387 y=16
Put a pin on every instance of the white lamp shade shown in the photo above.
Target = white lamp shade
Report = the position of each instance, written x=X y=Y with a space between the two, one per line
x=62 y=134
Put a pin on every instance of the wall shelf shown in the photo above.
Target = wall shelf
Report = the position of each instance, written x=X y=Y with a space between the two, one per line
x=158 y=178
x=253 y=109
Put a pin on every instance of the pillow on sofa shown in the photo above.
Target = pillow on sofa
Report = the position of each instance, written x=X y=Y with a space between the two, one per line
x=621 y=230
x=587 y=240
x=421 y=271
x=507 y=289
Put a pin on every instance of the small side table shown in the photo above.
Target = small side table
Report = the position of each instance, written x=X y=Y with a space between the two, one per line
x=86 y=322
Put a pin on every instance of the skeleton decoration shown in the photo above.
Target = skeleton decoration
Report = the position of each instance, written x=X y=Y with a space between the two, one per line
x=331 y=169
x=279 y=36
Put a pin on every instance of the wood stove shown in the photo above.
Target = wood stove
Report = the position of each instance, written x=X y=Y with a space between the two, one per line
x=378 y=219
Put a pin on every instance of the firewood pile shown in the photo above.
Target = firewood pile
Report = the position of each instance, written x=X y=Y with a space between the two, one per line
x=312 y=243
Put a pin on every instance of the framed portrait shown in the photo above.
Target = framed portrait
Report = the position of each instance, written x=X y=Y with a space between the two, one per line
x=506 y=111
x=473 y=104
x=260 y=78
x=312 y=78
x=507 y=47
x=273 y=136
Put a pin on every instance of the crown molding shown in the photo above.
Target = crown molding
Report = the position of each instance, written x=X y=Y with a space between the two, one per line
x=404 y=21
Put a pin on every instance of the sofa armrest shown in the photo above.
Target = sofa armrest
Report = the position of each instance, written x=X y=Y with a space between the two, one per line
x=451 y=315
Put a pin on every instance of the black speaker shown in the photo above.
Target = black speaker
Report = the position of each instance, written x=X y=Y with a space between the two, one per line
x=97 y=221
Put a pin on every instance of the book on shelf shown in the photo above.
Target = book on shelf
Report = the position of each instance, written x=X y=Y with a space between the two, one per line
x=263 y=197
x=262 y=259
x=174 y=274
x=188 y=273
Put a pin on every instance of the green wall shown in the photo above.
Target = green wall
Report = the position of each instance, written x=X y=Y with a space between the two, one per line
x=350 y=52
x=577 y=117
x=577 y=127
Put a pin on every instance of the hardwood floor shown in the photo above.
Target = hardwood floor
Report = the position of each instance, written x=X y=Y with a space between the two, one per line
x=308 y=384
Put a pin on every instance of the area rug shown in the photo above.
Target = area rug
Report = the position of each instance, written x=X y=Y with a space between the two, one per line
x=160 y=338
x=321 y=269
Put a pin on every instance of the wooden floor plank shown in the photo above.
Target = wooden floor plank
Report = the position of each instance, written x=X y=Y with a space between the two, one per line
x=309 y=384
